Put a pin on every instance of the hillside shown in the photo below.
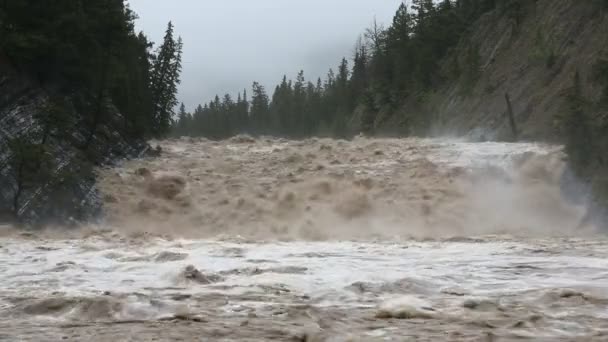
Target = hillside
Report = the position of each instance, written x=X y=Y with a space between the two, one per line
x=534 y=61
x=439 y=68
x=79 y=89
x=553 y=64
x=447 y=68
x=62 y=189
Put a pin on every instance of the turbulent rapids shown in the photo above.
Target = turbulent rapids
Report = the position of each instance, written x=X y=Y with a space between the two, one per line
x=370 y=239
x=327 y=190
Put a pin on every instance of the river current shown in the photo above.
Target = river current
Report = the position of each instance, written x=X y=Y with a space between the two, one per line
x=318 y=240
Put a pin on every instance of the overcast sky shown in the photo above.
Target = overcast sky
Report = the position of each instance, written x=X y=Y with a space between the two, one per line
x=230 y=43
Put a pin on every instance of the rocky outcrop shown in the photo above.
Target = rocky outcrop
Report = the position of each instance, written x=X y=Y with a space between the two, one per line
x=532 y=56
x=70 y=195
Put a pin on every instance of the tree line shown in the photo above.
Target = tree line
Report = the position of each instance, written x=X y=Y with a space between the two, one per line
x=389 y=66
x=95 y=70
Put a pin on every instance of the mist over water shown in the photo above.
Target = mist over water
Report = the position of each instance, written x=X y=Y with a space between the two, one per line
x=258 y=239
x=322 y=189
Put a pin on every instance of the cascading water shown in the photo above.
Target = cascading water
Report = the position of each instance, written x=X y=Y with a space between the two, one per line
x=257 y=239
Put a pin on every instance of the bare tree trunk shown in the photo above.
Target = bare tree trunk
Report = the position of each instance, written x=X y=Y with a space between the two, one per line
x=511 y=117
x=19 y=188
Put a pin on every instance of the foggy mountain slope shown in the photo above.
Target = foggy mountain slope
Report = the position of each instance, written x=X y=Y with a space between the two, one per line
x=533 y=60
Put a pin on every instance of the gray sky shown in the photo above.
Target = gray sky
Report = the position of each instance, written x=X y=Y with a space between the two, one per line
x=230 y=43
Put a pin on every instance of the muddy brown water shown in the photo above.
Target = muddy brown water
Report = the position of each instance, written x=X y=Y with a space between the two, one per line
x=317 y=240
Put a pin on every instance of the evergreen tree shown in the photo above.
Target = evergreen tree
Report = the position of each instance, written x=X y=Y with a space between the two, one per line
x=86 y=52
x=298 y=107
x=389 y=66
x=259 y=110
x=55 y=119
x=184 y=121
x=165 y=77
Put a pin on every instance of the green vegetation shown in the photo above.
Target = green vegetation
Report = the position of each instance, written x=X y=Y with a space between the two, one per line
x=89 y=51
x=165 y=72
x=97 y=72
x=391 y=67
x=585 y=127
x=30 y=164
x=544 y=52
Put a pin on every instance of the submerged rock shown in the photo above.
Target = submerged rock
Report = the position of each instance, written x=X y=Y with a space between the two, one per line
x=193 y=274
x=170 y=256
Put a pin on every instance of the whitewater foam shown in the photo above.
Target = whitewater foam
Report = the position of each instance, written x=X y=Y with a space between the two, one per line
x=315 y=240
x=321 y=189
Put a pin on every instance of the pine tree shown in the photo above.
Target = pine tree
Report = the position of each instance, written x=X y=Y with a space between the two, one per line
x=55 y=120
x=390 y=66
x=259 y=109
x=398 y=42
x=298 y=106
x=166 y=69
x=184 y=121
x=282 y=116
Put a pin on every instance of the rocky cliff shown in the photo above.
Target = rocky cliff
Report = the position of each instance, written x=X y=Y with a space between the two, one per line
x=69 y=195
x=533 y=56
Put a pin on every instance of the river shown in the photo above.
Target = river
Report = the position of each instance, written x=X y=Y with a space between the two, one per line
x=318 y=240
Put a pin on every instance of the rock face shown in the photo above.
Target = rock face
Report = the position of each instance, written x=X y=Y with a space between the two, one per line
x=532 y=57
x=71 y=195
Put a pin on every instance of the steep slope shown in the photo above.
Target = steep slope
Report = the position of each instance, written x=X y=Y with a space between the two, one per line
x=69 y=194
x=533 y=57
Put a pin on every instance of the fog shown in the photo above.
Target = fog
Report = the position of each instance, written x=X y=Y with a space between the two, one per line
x=230 y=43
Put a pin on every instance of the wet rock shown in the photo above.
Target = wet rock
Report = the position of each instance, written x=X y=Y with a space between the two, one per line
x=463 y=239
x=187 y=317
x=170 y=256
x=181 y=297
x=455 y=291
x=252 y=271
x=64 y=266
x=232 y=252
x=46 y=248
x=401 y=286
x=154 y=152
x=192 y=274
